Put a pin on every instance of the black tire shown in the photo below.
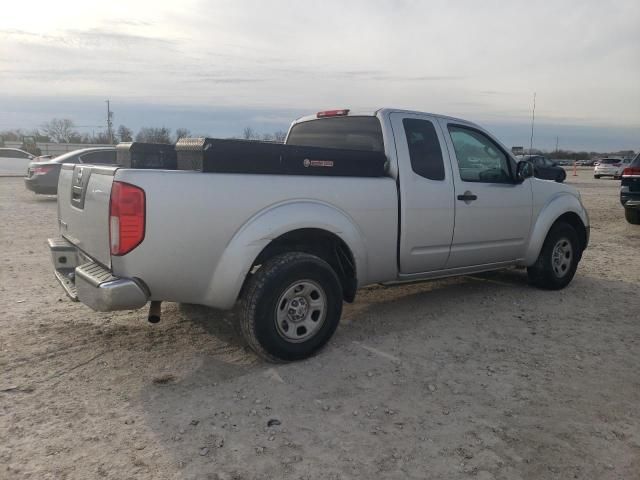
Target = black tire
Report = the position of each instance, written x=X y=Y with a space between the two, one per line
x=265 y=289
x=632 y=215
x=562 y=176
x=596 y=176
x=542 y=274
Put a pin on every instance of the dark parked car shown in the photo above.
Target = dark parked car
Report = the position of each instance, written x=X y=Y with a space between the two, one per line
x=545 y=169
x=630 y=191
x=42 y=177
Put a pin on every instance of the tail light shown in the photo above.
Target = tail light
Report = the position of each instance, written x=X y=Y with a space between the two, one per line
x=631 y=172
x=43 y=169
x=126 y=217
x=333 y=113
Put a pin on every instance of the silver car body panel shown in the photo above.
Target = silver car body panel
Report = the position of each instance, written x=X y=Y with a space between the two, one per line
x=204 y=231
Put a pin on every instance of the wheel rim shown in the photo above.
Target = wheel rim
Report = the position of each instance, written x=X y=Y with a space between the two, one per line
x=301 y=311
x=562 y=257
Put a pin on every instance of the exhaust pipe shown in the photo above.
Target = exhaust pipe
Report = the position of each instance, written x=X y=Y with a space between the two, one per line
x=154 y=312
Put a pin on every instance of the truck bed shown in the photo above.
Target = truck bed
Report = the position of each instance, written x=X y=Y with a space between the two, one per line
x=192 y=217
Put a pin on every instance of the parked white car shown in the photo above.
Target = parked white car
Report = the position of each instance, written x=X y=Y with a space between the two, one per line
x=14 y=162
x=292 y=245
x=610 y=167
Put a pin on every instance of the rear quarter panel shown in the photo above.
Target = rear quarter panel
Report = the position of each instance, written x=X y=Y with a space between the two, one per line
x=203 y=231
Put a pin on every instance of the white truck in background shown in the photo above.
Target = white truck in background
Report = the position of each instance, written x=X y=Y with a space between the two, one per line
x=291 y=248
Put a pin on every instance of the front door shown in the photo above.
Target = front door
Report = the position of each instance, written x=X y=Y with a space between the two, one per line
x=426 y=193
x=493 y=212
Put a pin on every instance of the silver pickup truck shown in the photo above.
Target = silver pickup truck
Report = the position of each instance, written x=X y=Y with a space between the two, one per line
x=291 y=248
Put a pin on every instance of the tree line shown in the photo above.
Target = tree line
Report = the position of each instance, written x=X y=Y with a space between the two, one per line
x=63 y=130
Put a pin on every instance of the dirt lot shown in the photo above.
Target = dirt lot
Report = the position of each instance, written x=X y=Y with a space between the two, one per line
x=477 y=377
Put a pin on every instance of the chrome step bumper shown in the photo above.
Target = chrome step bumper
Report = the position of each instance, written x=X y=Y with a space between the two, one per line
x=91 y=283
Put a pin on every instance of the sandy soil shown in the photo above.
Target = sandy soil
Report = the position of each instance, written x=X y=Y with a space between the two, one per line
x=477 y=377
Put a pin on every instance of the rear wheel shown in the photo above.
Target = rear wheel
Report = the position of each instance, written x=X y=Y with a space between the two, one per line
x=562 y=176
x=632 y=215
x=558 y=259
x=596 y=176
x=291 y=307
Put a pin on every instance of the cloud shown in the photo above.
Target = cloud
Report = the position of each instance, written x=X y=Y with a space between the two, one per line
x=464 y=58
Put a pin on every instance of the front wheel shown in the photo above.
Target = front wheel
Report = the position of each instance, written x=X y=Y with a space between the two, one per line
x=596 y=176
x=632 y=215
x=558 y=259
x=291 y=307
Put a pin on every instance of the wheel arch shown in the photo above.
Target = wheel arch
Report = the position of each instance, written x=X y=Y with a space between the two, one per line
x=308 y=226
x=562 y=208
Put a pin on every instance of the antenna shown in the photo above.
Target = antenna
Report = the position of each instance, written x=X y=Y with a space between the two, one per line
x=109 y=123
x=533 y=119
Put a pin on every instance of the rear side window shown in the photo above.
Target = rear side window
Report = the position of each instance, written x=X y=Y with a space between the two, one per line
x=424 y=148
x=351 y=133
x=107 y=157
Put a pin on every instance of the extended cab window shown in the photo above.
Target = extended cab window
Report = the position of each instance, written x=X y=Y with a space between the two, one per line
x=479 y=158
x=352 y=133
x=424 y=148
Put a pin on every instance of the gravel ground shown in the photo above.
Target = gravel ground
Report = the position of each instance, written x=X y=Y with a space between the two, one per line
x=475 y=377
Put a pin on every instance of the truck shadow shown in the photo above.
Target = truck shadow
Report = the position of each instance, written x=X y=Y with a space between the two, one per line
x=222 y=407
x=362 y=318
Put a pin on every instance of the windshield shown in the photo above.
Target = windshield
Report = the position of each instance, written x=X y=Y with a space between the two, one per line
x=610 y=160
x=351 y=133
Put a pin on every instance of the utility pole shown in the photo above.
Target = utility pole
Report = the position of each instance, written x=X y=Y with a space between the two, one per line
x=533 y=119
x=109 y=123
x=557 y=140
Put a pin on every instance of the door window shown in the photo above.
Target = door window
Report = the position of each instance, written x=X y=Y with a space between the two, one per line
x=424 y=148
x=479 y=158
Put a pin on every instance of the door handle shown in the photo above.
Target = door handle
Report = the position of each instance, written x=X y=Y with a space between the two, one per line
x=467 y=197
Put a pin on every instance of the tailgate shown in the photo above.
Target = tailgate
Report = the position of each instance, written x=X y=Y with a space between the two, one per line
x=83 y=208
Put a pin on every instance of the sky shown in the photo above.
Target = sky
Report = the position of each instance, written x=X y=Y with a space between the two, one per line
x=216 y=66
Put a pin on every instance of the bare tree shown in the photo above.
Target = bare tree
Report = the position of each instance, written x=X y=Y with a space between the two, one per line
x=100 y=137
x=182 y=133
x=267 y=137
x=154 y=135
x=250 y=134
x=280 y=136
x=60 y=130
x=125 y=134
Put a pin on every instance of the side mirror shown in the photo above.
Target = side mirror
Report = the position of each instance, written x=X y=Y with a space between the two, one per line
x=524 y=170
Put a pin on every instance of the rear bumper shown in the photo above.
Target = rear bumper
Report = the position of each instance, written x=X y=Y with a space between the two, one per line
x=41 y=184
x=608 y=172
x=629 y=199
x=632 y=203
x=91 y=283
